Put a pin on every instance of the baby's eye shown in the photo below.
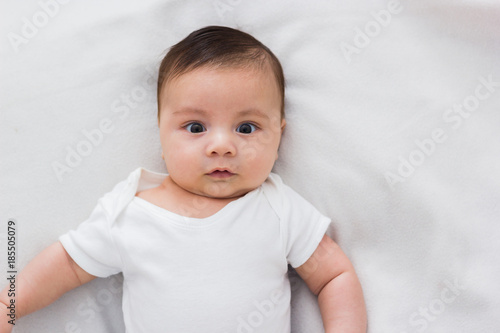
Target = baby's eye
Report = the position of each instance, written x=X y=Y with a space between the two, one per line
x=195 y=128
x=246 y=128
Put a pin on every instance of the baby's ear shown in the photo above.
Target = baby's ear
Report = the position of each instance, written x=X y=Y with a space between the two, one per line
x=283 y=125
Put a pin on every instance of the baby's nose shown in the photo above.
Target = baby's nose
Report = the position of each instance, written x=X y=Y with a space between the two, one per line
x=221 y=144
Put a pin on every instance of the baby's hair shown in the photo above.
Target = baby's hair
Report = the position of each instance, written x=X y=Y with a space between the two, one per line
x=217 y=46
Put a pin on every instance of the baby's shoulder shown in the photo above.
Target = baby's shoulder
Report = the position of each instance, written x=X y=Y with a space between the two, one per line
x=150 y=194
x=281 y=196
x=154 y=195
x=275 y=192
x=273 y=183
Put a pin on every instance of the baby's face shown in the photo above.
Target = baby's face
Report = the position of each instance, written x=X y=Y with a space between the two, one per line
x=220 y=130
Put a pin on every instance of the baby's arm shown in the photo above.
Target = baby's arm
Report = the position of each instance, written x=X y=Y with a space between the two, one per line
x=330 y=275
x=49 y=275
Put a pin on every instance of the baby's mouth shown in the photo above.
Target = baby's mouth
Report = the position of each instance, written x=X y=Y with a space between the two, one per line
x=221 y=174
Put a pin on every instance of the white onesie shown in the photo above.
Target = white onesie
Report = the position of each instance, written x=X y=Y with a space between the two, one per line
x=223 y=273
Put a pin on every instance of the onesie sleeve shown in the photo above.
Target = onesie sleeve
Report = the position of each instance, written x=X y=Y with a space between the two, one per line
x=302 y=225
x=91 y=245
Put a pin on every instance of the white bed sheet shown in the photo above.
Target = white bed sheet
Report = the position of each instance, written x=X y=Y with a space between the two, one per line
x=393 y=111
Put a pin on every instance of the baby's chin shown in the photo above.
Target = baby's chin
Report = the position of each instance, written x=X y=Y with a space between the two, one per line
x=223 y=195
x=224 y=189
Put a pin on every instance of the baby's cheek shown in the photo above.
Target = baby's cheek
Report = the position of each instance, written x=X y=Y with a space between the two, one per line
x=179 y=157
x=253 y=152
x=249 y=152
x=265 y=142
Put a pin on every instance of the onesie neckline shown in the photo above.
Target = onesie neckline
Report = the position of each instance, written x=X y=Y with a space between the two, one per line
x=184 y=221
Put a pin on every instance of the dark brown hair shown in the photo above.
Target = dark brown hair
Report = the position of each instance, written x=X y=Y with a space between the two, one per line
x=218 y=47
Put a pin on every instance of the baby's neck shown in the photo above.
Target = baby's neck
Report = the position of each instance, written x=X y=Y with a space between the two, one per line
x=168 y=195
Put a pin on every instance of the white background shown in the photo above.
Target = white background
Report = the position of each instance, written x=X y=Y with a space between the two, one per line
x=367 y=91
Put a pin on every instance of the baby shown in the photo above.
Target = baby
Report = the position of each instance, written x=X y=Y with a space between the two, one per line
x=205 y=246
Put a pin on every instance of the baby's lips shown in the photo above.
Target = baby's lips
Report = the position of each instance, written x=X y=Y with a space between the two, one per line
x=221 y=173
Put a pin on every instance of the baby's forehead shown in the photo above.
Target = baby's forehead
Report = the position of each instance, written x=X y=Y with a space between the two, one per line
x=232 y=91
x=252 y=68
x=194 y=74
